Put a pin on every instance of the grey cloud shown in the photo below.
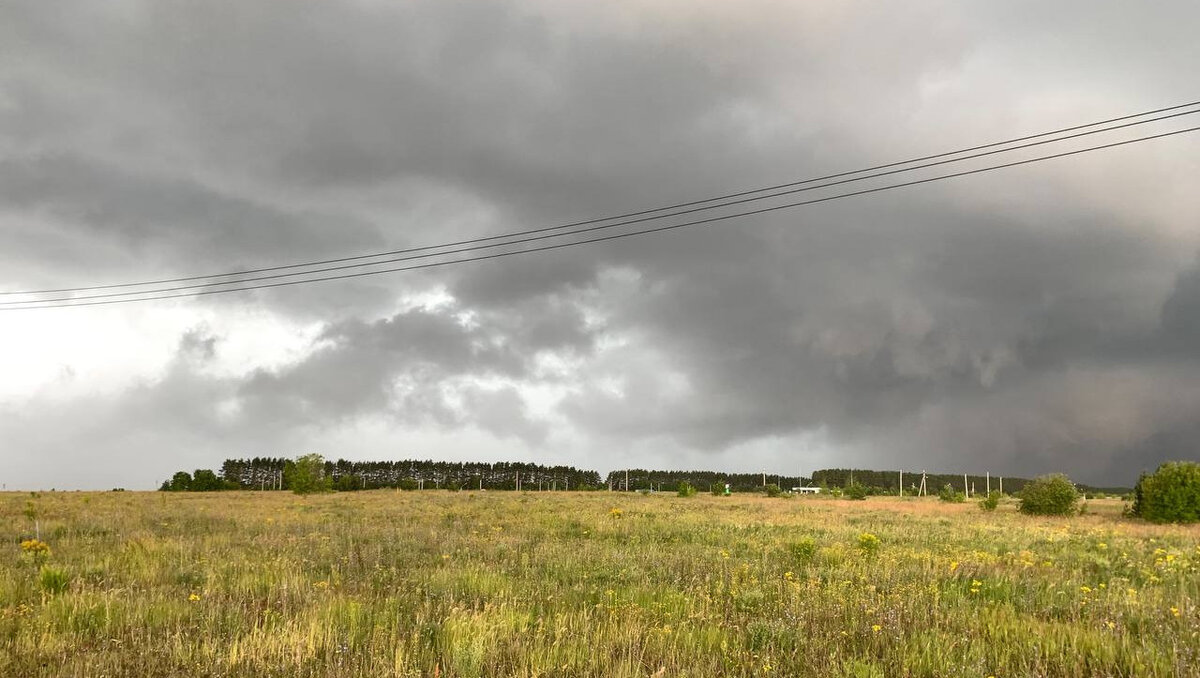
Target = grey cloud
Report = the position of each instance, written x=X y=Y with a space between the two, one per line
x=949 y=324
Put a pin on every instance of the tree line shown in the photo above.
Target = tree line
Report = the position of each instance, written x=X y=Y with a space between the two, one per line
x=278 y=473
x=643 y=479
x=888 y=482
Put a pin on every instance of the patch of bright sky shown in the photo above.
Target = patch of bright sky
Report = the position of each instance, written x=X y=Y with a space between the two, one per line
x=73 y=352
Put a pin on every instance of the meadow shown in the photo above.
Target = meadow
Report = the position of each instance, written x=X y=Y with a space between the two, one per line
x=390 y=583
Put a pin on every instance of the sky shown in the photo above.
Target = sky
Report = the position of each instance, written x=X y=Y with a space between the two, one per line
x=1034 y=319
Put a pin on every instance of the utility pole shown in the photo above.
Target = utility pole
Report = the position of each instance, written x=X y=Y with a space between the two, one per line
x=989 y=483
x=1001 y=484
x=626 y=480
x=966 y=490
x=901 y=483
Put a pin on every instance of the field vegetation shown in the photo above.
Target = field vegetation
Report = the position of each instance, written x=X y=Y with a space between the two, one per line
x=391 y=583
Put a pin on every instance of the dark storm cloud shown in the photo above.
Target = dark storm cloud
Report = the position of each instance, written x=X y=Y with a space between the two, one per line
x=1035 y=319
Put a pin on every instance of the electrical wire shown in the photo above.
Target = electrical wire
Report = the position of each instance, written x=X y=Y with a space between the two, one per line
x=627 y=215
x=616 y=236
x=544 y=236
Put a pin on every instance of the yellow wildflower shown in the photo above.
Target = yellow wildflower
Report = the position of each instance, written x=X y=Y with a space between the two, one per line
x=35 y=547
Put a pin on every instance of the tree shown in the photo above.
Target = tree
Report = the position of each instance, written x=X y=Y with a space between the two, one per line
x=347 y=483
x=947 y=494
x=306 y=474
x=1050 y=495
x=1169 y=495
x=204 y=480
x=855 y=490
x=180 y=482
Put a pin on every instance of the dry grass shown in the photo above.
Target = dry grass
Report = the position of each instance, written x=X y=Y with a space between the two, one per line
x=389 y=583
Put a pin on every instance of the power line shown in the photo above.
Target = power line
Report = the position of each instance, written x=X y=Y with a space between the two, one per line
x=627 y=215
x=547 y=236
x=617 y=236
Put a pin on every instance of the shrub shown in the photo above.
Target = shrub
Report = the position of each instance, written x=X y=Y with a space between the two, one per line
x=686 y=490
x=868 y=544
x=803 y=551
x=990 y=502
x=947 y=494
x=1169 y=495
x=855 y=491
x=1050 y=495
x=407 y=484
x=773 y=490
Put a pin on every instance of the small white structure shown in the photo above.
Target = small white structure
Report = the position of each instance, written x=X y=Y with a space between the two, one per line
x=806 y=490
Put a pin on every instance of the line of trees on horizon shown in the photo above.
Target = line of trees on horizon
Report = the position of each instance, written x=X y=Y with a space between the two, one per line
x=888 y=482
x=273 y=473
x=643 y=479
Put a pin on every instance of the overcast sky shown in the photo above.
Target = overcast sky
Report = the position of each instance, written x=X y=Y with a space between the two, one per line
x=1035 y=319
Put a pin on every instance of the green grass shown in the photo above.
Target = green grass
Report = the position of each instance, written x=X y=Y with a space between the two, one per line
x=389 y=583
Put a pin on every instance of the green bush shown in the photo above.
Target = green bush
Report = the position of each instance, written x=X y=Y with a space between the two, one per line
x=804 y=550
x=868 y=544
x=1050 y=495
x=947 y=494
x=1169 y=495
x=773 y=490
x=855 y=491
x=686 y=490
x=53 y=580
x=990 y=502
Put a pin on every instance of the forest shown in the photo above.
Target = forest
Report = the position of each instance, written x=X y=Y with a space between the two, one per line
x=272 y=473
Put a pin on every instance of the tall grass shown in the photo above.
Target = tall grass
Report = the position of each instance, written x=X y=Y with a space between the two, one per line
x=387 y=583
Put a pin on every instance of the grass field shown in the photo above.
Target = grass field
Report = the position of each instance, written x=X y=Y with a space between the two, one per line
x=389 y=583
